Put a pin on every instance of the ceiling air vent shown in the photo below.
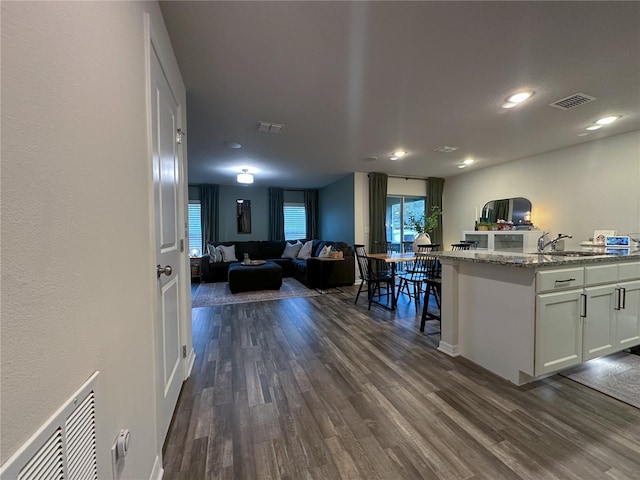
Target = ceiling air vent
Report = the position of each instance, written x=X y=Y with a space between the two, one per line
x=445 y=149
x=572 y=101
x=268 y=127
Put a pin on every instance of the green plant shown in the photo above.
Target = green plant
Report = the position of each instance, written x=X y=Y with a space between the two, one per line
x=485 y=224
x=424 y=224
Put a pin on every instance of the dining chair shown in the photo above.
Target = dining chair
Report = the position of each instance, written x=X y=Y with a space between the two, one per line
x=460 y=246
x=374 y=278
x=433 y=286
x=428 y=247
x=411 y=280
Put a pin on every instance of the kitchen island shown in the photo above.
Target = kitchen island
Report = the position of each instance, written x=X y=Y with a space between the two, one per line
x=524 y=316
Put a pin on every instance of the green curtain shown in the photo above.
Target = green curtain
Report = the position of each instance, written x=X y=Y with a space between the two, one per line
x=435 y=186
x=377 y=212
x=276 y=213
x=311 y=208
x=210 y=222
x=501 y=210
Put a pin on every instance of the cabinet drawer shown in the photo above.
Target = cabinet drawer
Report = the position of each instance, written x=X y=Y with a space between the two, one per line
x=628 y=270
x=548 y=281
x=597 y=274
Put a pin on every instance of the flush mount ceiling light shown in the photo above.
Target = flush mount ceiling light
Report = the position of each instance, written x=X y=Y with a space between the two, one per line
x=513 y=100
x=245 y=177
x=594 y=127
x=607 y=120
x=393 y=158
x=462 y=166
x=468 y=161
x=233 y=145
x=399 y=153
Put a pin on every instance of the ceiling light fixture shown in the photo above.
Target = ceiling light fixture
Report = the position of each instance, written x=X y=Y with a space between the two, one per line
x=513 y=100
x=233 y=145
x=393 y=158
x=468 y=161
x=594 y=127
x=399 y=153
x=462 y=166
x=607 y=120
x=245 y=177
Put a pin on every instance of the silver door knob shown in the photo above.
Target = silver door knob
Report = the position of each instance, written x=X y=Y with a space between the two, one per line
x=166 y=270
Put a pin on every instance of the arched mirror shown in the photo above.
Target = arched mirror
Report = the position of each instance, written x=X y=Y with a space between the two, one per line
x=516 y=210
x=243 y=209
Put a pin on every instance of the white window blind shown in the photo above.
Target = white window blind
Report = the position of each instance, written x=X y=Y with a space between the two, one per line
x=195 y=228
x=295 y=221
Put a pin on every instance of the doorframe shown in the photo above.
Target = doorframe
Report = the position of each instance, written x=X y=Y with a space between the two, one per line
x=160 y=43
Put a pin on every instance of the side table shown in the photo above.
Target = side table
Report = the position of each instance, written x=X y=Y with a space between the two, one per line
x=195 y=268
x=323 y=274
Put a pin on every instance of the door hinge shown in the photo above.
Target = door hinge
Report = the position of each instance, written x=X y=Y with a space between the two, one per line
x=181 y=245
x=179 y=134
x=184 y=351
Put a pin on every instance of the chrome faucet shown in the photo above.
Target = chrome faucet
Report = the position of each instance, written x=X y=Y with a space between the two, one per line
x=553 y=243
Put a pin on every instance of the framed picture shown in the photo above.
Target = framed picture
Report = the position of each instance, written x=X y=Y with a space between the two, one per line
x=599 y=236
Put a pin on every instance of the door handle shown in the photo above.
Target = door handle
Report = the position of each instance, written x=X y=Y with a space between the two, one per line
x=166 y=270
x=584 y=305
x=619 y=292
x=624 y=298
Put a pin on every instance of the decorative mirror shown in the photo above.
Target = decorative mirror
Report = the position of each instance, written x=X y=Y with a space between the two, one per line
x=243 y=209
x=516 y=210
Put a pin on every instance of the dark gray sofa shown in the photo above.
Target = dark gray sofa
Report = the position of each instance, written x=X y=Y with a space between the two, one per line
x=306 y=271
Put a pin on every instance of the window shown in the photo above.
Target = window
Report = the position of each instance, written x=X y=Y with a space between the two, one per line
x=398 y=211
x=295 y=221
x=195 y=229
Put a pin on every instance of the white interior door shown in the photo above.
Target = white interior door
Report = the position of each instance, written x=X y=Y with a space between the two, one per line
x=166 y=178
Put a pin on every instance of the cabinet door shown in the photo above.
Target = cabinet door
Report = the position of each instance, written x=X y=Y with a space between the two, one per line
x=558 y=331
x=599 y=336
x=628 y=317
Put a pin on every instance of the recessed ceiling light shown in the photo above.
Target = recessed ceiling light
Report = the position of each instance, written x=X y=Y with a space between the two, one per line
x=468 y=161
x=399 y=153
x=607 y=120
x=508 y=105
x=520 y=97
x=594 y=127
x=393 y=158
x=234 y=145
x=462 y=166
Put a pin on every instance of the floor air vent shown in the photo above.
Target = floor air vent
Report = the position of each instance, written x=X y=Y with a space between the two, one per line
x=572 y=101
x=64 y=448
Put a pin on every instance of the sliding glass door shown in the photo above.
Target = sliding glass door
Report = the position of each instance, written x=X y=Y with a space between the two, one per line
x=398 y=211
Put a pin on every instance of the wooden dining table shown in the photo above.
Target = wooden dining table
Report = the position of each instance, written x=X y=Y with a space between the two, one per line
x=393 y=259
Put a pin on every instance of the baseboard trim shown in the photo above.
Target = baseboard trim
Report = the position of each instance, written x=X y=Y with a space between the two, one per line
x=190 y=362
x=451 y=350
x=158 y=472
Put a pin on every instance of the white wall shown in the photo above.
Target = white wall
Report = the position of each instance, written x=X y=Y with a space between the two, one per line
x=361 y=208
x=575 y=190
x=408 y=187
x=78 y=276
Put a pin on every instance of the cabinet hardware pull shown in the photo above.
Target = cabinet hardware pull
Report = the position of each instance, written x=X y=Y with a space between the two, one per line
x=584 y=305
x=567 y=280
x=619 y=302
x=624 y=298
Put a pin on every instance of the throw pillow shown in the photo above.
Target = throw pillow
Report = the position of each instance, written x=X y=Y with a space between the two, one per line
x=305 y=251
x=291 y=251
x=228 y=253
x=325 y=251
x=215 y=255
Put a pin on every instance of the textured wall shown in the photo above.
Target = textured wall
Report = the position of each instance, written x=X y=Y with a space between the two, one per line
x=77 y=254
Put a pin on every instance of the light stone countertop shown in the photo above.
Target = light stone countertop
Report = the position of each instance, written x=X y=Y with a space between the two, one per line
x=532 y=260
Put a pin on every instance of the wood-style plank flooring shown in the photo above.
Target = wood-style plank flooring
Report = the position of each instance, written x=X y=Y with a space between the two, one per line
x=320 y=388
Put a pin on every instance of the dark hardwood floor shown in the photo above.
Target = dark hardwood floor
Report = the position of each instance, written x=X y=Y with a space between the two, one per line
x=319 y=388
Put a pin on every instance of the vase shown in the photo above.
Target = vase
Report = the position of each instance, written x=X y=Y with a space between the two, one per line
x=420 y=239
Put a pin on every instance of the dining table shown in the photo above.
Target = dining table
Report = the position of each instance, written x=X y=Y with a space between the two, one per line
x=393 y=259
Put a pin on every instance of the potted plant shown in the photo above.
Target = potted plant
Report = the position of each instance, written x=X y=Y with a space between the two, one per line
x=483 y=226
x=423 y=226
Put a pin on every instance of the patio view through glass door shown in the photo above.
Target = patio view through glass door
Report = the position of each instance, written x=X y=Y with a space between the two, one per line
x=398 y=211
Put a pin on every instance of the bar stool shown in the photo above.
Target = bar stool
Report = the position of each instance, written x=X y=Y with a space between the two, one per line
x=460 y=246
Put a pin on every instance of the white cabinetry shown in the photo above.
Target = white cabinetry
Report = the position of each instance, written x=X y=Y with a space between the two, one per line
x=584 y=313
x=508 y=240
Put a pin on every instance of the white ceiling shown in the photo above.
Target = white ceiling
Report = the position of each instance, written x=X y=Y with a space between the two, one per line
x=351 y=80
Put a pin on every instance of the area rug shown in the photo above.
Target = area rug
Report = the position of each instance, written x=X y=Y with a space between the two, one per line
x=209 y=294
x=616 y=375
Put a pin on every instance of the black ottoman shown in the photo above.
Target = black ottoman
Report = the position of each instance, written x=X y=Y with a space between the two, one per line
x=246 y=278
